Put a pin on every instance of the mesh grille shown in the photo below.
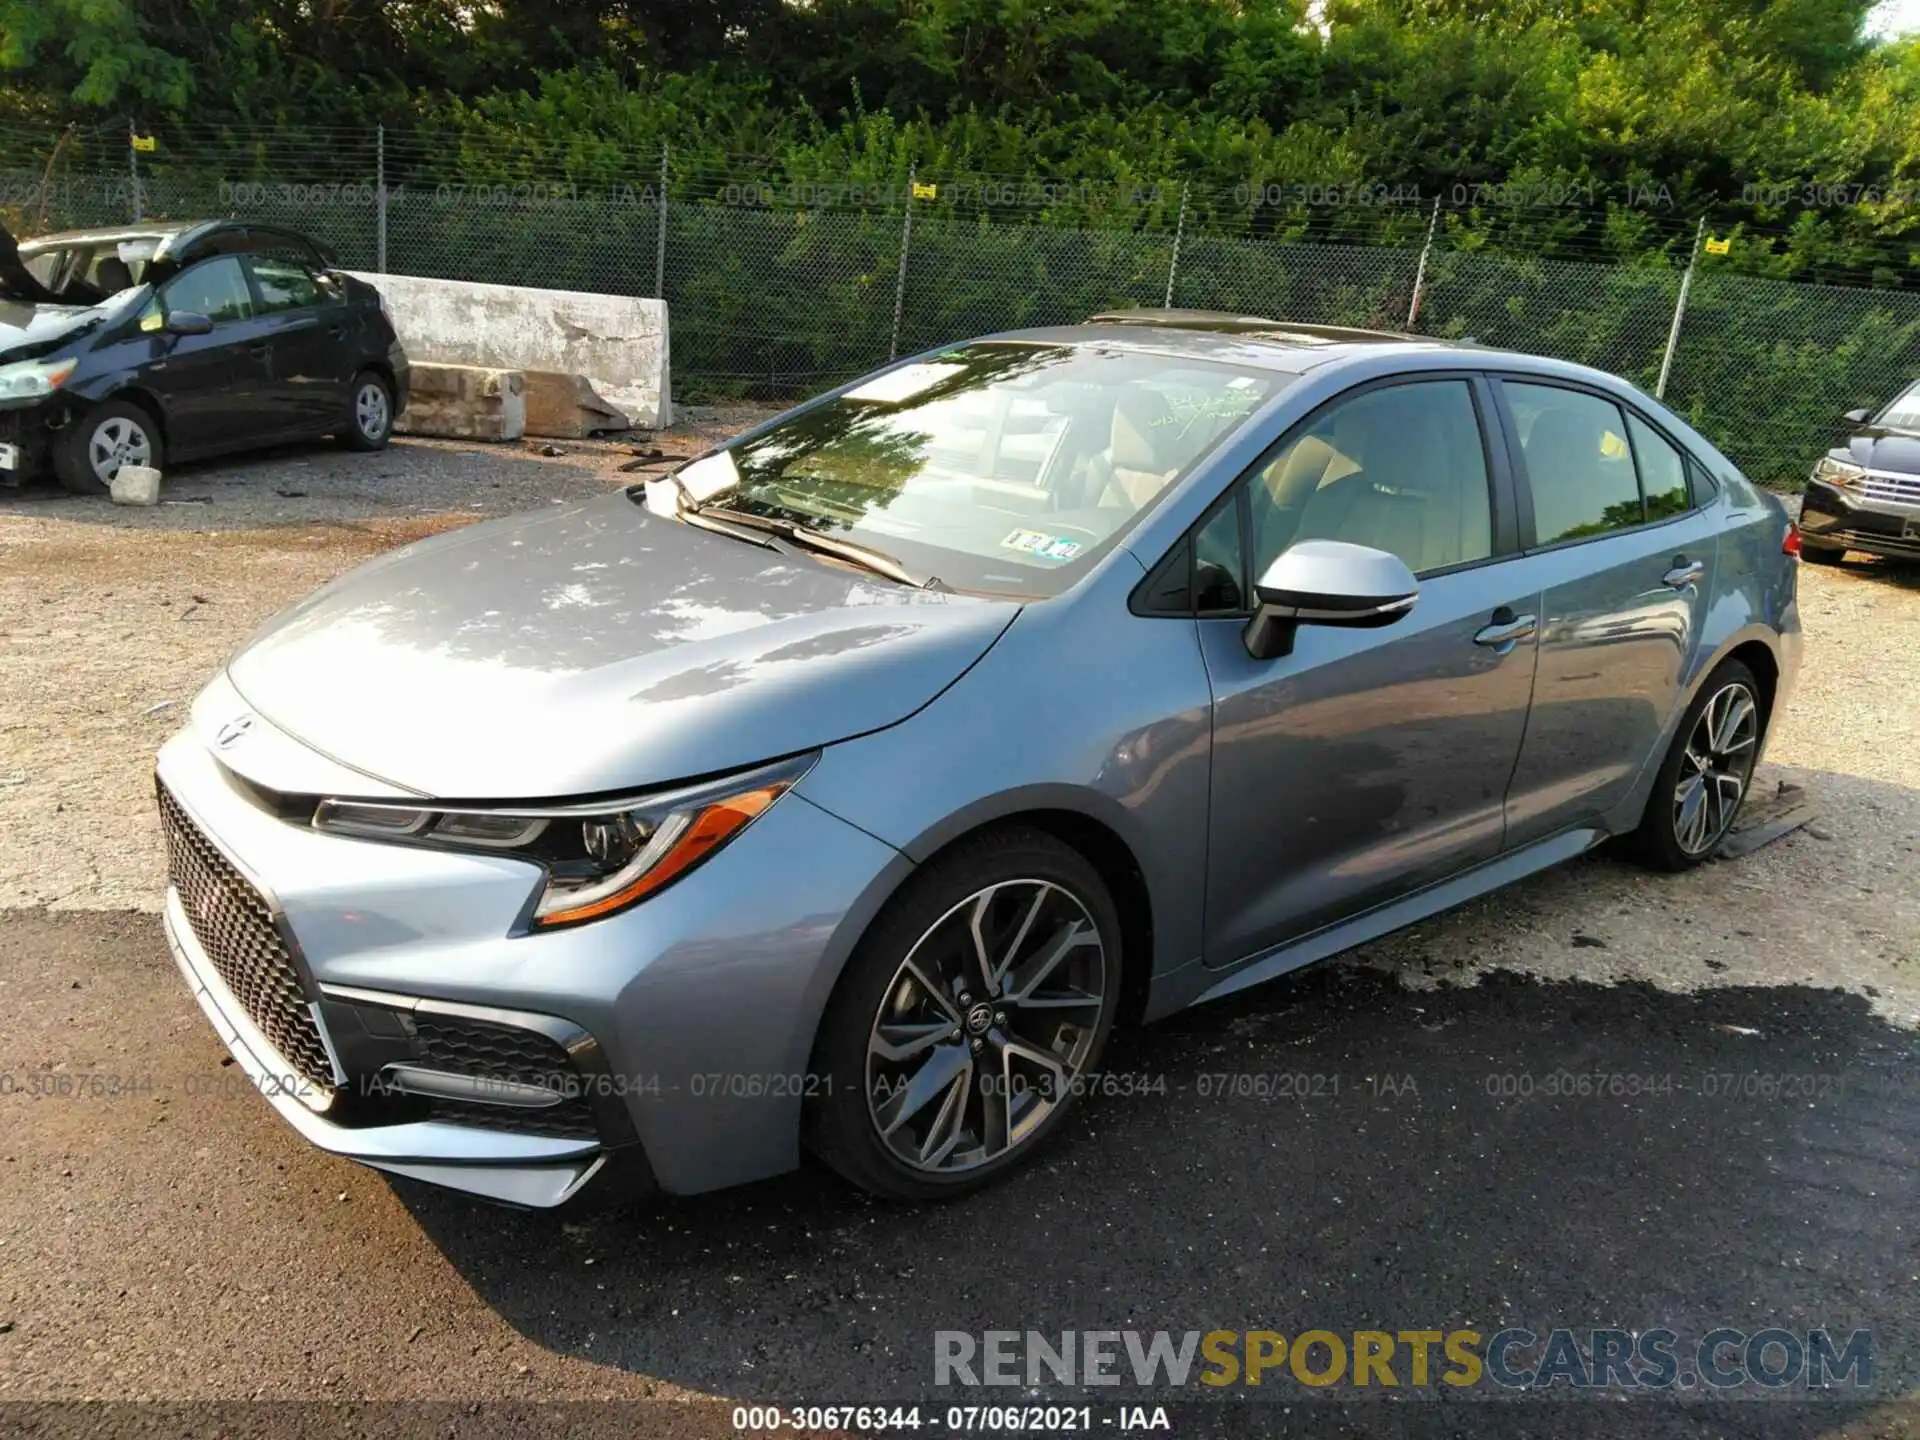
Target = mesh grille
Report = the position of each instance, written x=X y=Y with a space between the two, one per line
x=505 y=1052
x=235 y=928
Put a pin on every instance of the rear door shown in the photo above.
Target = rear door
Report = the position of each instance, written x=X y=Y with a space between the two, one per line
x=310 y=327
x=1366 y=763
x=1605 y=505
x=214 y=387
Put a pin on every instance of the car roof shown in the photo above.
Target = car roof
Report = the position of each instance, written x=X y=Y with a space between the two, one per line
x=1230 y=322
x=103 y=234
x=1276 y=345
x=1261 y=343
x=181 y=238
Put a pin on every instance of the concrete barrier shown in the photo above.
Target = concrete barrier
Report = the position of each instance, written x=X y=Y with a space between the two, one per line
x=567 y=407
x=465 y=402
x=618 y=342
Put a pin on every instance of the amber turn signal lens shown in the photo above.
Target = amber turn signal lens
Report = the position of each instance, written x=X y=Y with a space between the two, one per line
x=710 y=829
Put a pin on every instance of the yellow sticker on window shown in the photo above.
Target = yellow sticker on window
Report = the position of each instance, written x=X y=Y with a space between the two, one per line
x=152 y=321
x=1612 y=446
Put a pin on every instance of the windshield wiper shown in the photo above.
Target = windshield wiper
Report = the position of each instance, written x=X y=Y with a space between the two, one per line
x=865 y=556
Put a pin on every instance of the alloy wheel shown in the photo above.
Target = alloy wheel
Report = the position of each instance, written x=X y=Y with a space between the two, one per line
x=987 y=1026
x=370 y=410
x=1715 y=769
x=115 y=442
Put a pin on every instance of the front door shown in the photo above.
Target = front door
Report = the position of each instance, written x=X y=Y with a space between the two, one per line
x=1605 y=497
x=212 y=387
x=1368 y=763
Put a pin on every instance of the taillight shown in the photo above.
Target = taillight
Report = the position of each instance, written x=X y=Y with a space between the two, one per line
x=1790 y=542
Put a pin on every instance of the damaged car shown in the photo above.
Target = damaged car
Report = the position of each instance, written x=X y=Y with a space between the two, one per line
x=154 y=343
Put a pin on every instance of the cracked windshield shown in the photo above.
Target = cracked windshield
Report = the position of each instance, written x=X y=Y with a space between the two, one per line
x=999 y=467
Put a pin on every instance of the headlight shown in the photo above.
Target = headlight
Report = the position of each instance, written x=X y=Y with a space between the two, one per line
x=1839 y=472
x=599 y=857
x=30 y=378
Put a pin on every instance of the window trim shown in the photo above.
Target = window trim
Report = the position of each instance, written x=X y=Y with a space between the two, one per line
x=1503 y=528
x=1523 y=480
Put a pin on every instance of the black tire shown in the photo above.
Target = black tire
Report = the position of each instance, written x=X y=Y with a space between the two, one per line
x=1017 y=867
x=1822 y=554
x=1658 y=842
x=369 y=423
x=74 y=457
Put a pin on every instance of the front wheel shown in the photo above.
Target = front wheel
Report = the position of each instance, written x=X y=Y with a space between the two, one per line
x=1821 y=554
x=101 y=441
x=968 y=1020
x=1705 y=776
x=370 y=414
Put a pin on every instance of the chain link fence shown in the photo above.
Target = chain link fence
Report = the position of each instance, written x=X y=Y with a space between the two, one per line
x=779 y=287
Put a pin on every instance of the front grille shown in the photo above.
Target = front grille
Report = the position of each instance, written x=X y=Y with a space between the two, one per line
x=1874 y=540
x=234 y=925
x=1894 y=489
x=467 y=1046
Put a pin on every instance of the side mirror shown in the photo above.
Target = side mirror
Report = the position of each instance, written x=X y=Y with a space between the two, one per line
x=1327 y=582
x=1856 y=417
x=188 y=322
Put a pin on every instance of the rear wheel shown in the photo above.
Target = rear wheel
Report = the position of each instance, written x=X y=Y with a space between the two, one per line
x=370 y=412
x=1705 y=776
x=101 y=441
x=968 y=1019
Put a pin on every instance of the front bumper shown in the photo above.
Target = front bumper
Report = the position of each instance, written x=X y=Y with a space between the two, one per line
x=27 y=433
x=531 y=1170
x=688 y=1020
x=1878 y=517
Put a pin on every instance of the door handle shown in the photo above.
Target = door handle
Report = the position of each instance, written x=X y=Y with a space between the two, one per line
x=1683 y=573
x=1507 y=630
x=257 y=347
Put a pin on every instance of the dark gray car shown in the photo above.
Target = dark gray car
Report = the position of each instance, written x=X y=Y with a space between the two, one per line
x=1864 y=495
x=846 y=789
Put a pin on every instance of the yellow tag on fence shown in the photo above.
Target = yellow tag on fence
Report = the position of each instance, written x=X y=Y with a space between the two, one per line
x=924 y=192
x=1716 y=246
x=144 y=142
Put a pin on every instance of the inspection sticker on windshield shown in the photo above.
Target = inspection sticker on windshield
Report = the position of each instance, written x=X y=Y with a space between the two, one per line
x=1038 y=542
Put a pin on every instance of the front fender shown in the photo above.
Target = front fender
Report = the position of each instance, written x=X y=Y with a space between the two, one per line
x=1081 y=707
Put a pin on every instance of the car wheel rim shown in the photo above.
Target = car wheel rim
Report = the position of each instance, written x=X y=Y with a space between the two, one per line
x=115 y=443
x=1715 y=769
x=986 y=1027
x=370 y=411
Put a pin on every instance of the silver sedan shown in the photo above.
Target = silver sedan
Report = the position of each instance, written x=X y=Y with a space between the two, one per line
x=841 y=792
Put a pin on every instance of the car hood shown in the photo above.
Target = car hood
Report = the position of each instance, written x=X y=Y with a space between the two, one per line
x=1895 y=450
x=29 y=331
x=598 y=648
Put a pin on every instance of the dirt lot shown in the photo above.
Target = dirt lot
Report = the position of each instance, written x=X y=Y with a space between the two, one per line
x=179 y=1245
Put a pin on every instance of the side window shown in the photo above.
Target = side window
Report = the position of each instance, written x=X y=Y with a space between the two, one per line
x=1579 y=464
x=216 y=289
x=1702 y=483
x=283 y=284
x=1402 y=469
x=1218 y=563
x=1663 y=473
